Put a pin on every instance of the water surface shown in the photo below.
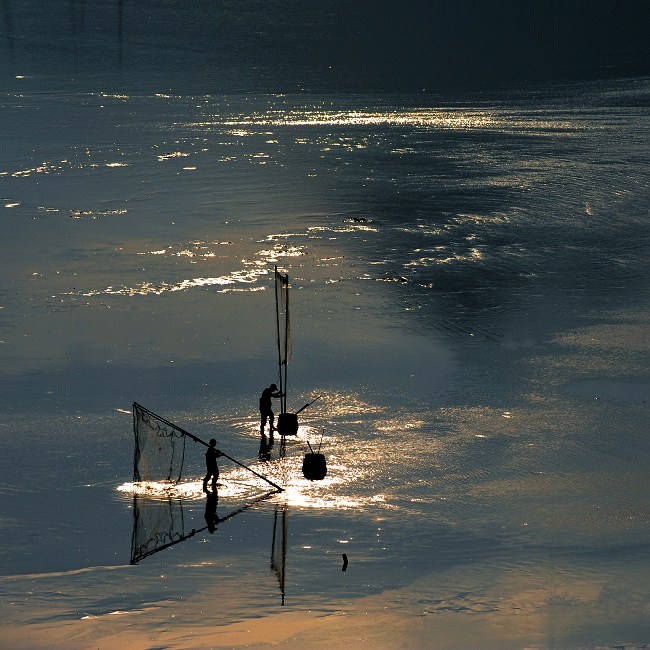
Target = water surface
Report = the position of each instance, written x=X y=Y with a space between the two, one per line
x=469 y=296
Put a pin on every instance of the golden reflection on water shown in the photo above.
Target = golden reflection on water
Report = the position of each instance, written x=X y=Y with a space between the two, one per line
x=174 y=154
x=423 y=117
x=341 y=404
x=351 y=227
x=416 y=117
x=279 y=251
x=238 y=483
x=254 y=269
x=44 y=168
x=149 y=288
x=473 y=255
x=348 y=484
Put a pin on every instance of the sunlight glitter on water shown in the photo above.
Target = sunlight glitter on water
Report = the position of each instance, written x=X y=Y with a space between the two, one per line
x=149 y=288
x=420 y=117
x=238 y=483
x=343 y=487
x=256 y=267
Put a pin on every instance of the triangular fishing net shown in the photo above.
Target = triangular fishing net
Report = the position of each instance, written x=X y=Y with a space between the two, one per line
x=159 y=447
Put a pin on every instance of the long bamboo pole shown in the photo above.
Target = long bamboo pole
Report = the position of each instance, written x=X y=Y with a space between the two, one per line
x=277 y=326
x=285 y=284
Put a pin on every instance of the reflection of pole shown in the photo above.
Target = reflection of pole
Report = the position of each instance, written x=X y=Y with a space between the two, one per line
x=279 y=556
x=284 y=548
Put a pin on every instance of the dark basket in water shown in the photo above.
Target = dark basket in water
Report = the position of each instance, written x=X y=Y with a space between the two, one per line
x=288 y=424
x=314 y=467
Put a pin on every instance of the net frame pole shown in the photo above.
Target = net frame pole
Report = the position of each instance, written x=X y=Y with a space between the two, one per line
x=196 y=439
x=136 y=449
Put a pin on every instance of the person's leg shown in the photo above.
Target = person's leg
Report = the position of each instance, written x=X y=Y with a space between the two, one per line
x=263 y=416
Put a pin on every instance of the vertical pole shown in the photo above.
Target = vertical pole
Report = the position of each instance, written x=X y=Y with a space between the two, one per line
x=286 y=339
x=277 y=323
x=136 y=451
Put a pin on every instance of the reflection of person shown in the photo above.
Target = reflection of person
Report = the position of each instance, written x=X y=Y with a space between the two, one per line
x=211 y=518
x=265 y=448
x=211 y=465
x=265 y=408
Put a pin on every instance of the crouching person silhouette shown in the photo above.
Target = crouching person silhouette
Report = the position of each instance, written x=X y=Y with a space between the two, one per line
x=211 y=465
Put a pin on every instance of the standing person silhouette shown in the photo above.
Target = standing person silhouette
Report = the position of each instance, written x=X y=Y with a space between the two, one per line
x=266 y=413
x=211 y=465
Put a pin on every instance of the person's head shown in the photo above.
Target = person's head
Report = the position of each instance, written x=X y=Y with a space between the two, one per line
x=273 y=387
x=213 y=443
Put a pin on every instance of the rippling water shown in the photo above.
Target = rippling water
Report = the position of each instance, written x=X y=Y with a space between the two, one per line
x=470 y=299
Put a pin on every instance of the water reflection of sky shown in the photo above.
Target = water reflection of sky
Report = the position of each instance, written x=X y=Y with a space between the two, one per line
x=458 y=215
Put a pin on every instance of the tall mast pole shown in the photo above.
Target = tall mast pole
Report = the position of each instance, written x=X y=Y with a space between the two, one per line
x=277 y=323
x=286 y=339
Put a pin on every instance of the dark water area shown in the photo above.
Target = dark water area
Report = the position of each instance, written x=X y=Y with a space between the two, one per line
x=222 y=46
x=469 y=287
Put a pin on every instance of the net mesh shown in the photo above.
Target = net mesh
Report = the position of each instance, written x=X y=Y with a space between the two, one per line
x=284 y=324
x=159 y=448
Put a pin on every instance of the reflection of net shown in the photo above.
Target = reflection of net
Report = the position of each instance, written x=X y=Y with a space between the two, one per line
x=156 y=525
x=159 y=448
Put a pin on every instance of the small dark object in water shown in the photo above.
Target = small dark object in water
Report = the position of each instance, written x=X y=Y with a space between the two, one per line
x=345 y=562
x=288 y=424
x=314 y=467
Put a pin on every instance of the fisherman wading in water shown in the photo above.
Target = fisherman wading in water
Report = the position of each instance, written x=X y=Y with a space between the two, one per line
x=211 y=465
x=266 y=412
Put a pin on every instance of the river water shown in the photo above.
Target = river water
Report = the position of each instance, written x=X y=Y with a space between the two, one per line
x=469 y=301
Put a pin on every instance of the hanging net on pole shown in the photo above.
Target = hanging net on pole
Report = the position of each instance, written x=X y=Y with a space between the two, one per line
x=159 y=447
x=283 y=324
